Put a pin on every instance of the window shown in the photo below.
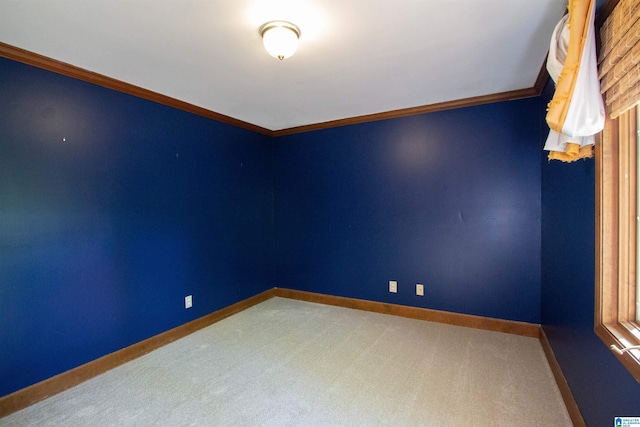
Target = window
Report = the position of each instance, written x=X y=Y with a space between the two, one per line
x=617 y=291
x=637 y=233
x=617 y=313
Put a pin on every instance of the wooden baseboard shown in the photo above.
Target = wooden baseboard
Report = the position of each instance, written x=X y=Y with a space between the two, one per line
x=39 y=391
x=565 y=391
x=28 y=396
x=477 y=322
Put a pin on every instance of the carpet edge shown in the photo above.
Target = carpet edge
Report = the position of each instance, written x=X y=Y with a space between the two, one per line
x=565 y=390
x=477 y=322
x=34 y=393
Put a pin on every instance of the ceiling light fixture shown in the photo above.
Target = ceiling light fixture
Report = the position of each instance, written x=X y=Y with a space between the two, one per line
x=280 y=38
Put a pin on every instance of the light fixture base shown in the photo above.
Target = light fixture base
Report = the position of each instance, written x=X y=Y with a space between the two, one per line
x=280 y=38
x=279 y=24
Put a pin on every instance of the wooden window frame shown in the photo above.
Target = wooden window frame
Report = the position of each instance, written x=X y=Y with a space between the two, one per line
x=616 y=242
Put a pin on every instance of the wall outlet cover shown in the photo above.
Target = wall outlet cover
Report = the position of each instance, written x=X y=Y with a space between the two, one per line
x=393 y=286
x=188 y=301
x=419 y=289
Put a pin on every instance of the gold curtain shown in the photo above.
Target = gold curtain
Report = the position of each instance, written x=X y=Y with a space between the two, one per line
x=620 y=58
x=576 y=113
x=578 y=25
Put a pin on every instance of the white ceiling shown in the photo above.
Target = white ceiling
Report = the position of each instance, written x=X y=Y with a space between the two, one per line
x=356 y=57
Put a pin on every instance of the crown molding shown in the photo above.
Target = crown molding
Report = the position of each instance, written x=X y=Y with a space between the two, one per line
x=412 y=111
x=49 y=64
x=604 y=13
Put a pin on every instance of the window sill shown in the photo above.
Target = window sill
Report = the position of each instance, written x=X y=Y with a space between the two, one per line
x=619 y=336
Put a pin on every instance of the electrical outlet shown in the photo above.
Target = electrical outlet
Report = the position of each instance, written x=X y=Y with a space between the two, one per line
x=188 y=301
x=419 y=290
x=393 y=286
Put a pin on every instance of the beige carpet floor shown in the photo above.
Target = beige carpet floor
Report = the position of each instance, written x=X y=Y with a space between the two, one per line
x=292 y=363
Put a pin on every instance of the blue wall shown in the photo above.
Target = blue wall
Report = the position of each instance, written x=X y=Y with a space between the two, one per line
x=449 y=199
x=112 y=210
x=601 y=385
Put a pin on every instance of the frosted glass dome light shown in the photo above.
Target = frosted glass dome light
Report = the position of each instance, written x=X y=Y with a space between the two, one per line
x=280 y=38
